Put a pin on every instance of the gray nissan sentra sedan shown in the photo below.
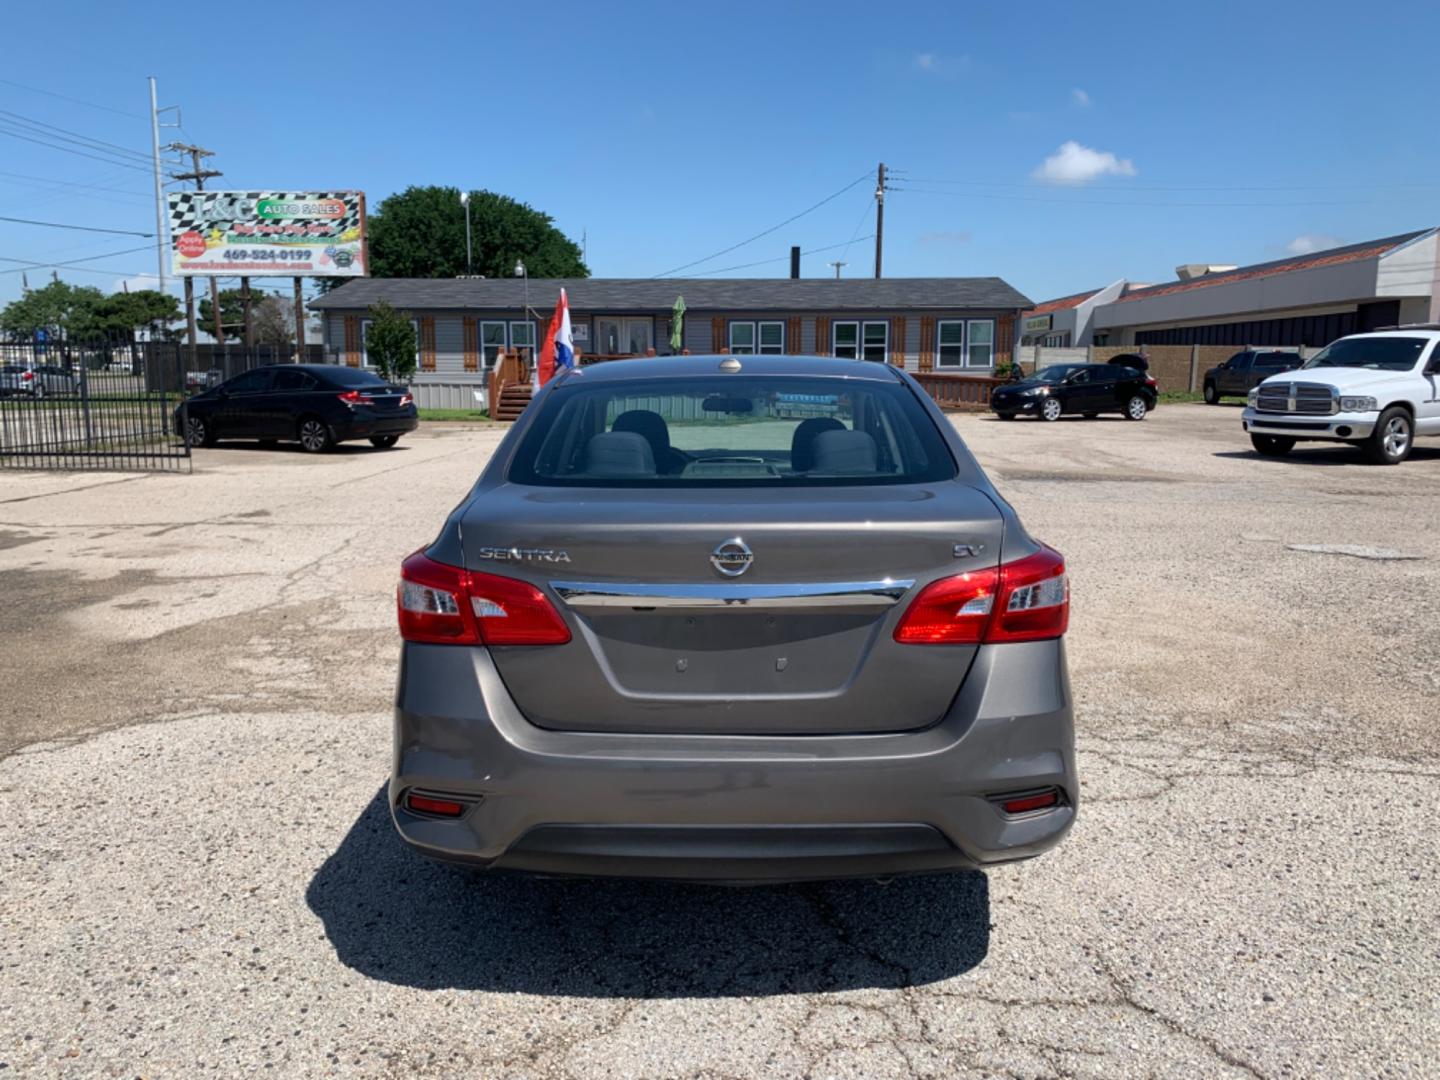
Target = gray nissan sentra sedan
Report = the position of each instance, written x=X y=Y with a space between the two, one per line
x=733 y=618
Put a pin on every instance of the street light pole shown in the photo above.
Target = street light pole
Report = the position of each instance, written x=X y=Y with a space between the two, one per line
x=469 y=262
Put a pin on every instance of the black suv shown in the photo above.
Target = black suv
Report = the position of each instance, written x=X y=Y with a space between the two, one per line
x=1244 y=371
x=317 y=405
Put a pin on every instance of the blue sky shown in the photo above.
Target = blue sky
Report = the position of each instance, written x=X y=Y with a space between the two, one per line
x=1058 y=146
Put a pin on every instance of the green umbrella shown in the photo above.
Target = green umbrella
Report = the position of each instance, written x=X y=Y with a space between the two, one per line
x=677 y=324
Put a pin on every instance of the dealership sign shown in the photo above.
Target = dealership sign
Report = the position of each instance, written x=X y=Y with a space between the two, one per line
x=1036 y=324
x=259 y=233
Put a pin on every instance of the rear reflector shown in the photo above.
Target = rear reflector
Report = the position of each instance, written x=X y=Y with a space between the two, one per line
x=448 y=605
x=1025 y=600
x=425 y=804
x=1023 y=804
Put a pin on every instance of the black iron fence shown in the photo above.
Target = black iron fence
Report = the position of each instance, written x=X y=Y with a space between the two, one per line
x=109 y=404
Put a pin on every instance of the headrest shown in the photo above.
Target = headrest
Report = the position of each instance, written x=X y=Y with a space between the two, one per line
x=649 y=424
x=619 y=453
x=844 y=452
x=802 y=443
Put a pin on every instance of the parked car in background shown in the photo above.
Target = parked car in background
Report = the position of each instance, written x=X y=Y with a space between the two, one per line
x=1245 y=370
x=1376 y=391
x=195 y=381
x=34 y=380
x=318 y=405
x=1087 y=389
x=678 y=630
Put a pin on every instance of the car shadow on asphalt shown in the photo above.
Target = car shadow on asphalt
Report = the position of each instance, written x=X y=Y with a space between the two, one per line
x=1327 y=455
x=395 y=916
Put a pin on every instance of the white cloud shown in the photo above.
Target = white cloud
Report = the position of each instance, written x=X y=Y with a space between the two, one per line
x=941 y=66
x=1079 y=98
x=1076 y=164
x=1309 y=243
x=945 y=238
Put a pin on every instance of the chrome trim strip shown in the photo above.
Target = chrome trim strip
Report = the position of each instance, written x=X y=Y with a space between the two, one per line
x=604 y=594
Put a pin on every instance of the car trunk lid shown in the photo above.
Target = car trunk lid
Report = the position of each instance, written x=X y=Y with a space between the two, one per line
x=795 y=640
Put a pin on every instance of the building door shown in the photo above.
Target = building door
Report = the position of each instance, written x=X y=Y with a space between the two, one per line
x=622 y=337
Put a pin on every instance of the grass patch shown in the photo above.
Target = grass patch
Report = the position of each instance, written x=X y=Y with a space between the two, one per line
x=474 y=416
x=1178 y=397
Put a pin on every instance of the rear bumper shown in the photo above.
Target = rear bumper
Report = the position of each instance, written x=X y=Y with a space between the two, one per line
x=734 y=808
x=363 y=426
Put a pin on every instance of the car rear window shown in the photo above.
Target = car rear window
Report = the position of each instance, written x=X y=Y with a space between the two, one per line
x=761 y=431
x=344 y=376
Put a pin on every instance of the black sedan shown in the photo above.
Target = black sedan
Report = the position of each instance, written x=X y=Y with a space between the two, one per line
x=1087 y=389
x=317 y=405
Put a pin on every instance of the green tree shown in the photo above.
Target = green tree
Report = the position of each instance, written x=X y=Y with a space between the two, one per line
x=420 y=232
x=390 y=343
x=60 y=309
x=126 y=312
x=232 y=313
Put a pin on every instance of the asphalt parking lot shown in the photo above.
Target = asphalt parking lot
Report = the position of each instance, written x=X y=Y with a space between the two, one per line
x=198 y=876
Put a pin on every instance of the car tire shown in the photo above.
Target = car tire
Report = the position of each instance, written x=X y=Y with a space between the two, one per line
x=1390 y=442
x=1212 y=395
x=1272 y=445
x=384 y=442
x=1051 y=409
x=1136 y=408
x=198 y=431
x=315 y=435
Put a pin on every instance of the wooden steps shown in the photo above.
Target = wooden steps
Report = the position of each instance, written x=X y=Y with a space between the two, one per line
x=513 y=399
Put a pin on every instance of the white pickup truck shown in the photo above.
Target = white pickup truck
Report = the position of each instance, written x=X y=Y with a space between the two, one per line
x=1375 y=391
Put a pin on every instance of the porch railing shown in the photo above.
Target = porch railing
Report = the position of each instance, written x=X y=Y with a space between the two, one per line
x=958 y=391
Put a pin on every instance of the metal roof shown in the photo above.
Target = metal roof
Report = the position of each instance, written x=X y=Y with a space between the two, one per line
x=1329 y=257
x=605 y=295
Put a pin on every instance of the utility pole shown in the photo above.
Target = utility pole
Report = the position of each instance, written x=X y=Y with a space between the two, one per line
x=879 y=215
x=837 y=264
x=161 y=255
x=299 y=321
x=199 y=175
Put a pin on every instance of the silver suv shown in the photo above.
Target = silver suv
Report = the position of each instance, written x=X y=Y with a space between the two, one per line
x=733 y=619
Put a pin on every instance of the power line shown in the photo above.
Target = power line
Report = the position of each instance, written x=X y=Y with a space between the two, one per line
x=81 y=228
x=1131 y=202
x=783 y=258
x=774 y=228
x=65 y=134
x=72 y=100
x=71 y=262
x=54 y=184
x=1200 y=187
x=69 y=150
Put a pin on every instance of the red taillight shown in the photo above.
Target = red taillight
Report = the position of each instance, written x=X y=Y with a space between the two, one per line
x=1026 y=600
x=355 y=397
x=408 y=399
x=1150 y=382
x=26 y=376
x=425 y=804
x=447 y=605
x=1024 y=804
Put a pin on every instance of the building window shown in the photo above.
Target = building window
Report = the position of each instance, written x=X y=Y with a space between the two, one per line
x=980 y=343
x=492 y=343
x=365 y=333
x=766 y=337
x=522 y=338
x=951 y=338
x=966 y=343
x=862 y=340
